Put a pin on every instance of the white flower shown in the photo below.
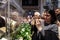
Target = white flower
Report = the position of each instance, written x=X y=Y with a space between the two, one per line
x=26 y=33
x=3 y=39
x=20 y=38
x=23 y=29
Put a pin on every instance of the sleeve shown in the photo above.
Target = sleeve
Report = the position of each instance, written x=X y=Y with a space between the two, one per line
x=52 y=27
x=49 y=27
x=32 y=29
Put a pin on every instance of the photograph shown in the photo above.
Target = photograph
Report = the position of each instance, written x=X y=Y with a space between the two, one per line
x=29 y=19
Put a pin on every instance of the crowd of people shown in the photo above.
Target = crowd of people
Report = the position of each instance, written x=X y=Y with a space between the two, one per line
x=45 y=26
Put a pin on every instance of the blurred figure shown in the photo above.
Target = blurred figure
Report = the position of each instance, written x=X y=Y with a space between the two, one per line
x=57 y=11
x=50 y=27
x=2 y=22
x=2 y=27
x=36 y=27
x=58 y=19
x=27 y=19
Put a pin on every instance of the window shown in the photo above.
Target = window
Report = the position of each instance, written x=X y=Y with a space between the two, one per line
x=29 y=2
x=55 y=3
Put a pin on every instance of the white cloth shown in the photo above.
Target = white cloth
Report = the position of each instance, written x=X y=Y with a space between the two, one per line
x=3 y=39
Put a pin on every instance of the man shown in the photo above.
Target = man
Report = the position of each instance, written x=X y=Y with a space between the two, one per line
x=57 y=11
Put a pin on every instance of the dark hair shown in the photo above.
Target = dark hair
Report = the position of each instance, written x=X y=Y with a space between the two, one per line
x=53 y=16
x=56 y=8
x=2 y=22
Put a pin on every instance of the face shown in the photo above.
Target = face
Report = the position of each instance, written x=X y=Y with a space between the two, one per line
x=57 y=11
x=37 y=16
x=47 y=17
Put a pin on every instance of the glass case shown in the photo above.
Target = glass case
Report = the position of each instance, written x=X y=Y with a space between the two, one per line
x=10 y=17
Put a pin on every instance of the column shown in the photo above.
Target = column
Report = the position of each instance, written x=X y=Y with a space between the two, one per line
x=41 y=3
x=58 y=3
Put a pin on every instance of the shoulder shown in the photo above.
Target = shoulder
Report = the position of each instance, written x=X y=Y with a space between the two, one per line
x=54 y=25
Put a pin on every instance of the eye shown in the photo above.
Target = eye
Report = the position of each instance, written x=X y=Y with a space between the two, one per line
x=56 y=11
x=47 y=15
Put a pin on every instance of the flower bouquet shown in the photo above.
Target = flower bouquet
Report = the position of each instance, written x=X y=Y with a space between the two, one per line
x=24 y=31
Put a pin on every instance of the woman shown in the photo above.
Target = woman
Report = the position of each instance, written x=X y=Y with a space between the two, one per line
x=35 y=22
x=50 y=27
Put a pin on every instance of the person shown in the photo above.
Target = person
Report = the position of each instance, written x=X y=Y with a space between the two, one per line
x=2 y=22
x=58 y=19
x=50 y=29
x=35 y=29
x=58 y=23
x=2 y=27
x=57 y=11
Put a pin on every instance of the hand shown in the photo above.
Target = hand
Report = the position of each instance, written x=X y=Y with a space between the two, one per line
x=38 y=24
x=33 y=22
x=58 y=23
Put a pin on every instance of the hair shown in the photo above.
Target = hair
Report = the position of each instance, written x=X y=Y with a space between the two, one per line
x=2 y=22
x=56 y=8
x=53 y=16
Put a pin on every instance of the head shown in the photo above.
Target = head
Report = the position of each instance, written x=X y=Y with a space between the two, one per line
x=49 y=16
x=57 y=11
x=15 y=15
x=36 y=15
x=29 y=18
